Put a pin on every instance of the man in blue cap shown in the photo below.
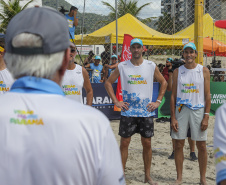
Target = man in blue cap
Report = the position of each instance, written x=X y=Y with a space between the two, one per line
x=137 y=108
x=191 y=97
x=109 y=69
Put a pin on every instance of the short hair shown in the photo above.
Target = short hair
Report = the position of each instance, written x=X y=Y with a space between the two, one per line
x=73 y=8
x=39 y=65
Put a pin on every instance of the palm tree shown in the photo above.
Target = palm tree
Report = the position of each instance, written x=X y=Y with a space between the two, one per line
x=124 y=7
x=9 y=11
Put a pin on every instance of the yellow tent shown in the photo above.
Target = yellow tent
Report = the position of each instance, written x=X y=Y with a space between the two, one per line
x=209 y=30
x=128 y=24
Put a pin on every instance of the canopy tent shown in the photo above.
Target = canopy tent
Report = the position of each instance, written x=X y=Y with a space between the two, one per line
x=209 y=30
x=128 y=24
x=210 y=46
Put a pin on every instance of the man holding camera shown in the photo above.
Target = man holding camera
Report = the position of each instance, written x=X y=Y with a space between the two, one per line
x=72 y=21
x=191 y=97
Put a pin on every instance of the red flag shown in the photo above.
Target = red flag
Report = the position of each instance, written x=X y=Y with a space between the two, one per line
x=221 y=24
x=125 y=55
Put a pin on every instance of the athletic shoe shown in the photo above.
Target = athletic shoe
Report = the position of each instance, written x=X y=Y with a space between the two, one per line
x=193 y=156
x=171 y=156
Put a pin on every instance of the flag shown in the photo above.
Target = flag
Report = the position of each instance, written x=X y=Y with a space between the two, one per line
x=125 y=55
x=221 y=24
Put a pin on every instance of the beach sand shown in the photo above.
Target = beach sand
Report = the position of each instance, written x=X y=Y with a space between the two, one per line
x=163 y=170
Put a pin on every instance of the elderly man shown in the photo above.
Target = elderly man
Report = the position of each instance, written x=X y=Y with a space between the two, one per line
x=46 y=138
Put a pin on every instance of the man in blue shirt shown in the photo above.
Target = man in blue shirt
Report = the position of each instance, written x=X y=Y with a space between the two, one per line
x=72 y=21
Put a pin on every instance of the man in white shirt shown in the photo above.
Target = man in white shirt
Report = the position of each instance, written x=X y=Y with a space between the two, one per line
x=137 y=113
x=191 y=97
x=219 y=145
x=76 y=77
x=46 y=138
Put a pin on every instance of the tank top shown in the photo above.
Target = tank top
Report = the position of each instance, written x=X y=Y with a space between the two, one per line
x=72 y=83
x=190 y=87
x=137 y=87
x=6 y=81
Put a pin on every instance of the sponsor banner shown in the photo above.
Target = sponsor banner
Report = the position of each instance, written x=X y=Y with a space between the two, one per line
x=103 y=102
x=218 y=97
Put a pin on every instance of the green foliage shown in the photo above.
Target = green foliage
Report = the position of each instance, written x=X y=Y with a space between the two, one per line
x=125 y=7
x=9 y=11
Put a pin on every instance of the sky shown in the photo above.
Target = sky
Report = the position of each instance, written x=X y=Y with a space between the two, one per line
x=96 y=6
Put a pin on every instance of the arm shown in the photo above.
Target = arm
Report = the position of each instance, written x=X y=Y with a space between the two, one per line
x=75 y=19
x=174 y=123
x=170 y=82
x=87 y=86
x=108 y=86
x=158 y=76
x=206 y=75
x=111 y=66
x=106 y=73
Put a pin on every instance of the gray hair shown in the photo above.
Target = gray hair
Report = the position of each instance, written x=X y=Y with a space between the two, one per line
x=40 y=65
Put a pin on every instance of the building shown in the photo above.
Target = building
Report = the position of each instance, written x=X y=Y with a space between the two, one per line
x=183 y=11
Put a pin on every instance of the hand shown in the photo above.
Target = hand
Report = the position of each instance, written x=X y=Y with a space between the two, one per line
x=122 y=105
x=174 y=125
x=204 y=123
x=152 y=106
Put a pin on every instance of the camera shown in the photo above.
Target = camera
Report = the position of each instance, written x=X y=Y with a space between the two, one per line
x=62 y=10
x=177 y=63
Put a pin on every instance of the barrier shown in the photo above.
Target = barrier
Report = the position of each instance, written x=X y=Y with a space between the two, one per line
x=103 y=102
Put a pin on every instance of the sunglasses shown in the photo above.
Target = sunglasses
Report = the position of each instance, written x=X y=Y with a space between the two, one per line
x=72 y=50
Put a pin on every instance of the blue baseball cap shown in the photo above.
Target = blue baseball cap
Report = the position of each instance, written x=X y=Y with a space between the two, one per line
x=169 y=59
x=190 y=45
x=136 y=41
x=114 y=56
x=97 y=58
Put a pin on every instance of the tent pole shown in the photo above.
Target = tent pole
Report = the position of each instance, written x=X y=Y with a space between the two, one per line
x=116 y=18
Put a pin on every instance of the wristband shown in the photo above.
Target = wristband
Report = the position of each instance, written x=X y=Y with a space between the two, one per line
x=159 y=101
x=207 y=113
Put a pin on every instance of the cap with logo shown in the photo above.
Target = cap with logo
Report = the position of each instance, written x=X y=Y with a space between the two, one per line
x=169 y=59
x=97 y=58
x=190 y=45
x=46 y=22
x=136 y=41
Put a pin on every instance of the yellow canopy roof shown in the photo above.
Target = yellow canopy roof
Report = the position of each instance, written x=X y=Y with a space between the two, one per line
x=128 y=24
x=209 y=30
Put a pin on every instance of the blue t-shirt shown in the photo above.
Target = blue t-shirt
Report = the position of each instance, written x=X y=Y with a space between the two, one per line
x=71 y=26
x=110 y=71
x=96 y=73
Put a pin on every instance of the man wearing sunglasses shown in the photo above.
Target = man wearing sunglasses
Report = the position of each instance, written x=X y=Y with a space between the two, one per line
x=76 y=77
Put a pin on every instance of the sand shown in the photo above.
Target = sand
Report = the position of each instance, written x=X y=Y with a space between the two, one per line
x=163 y=170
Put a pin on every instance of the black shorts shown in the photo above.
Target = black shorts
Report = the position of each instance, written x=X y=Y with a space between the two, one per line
x=131 y=125
x=188 y=133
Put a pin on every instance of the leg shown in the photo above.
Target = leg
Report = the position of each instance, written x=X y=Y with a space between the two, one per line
x=147 y=157
x=172 y=155
x=202 y=158
x=124 y=145
x=191 y=144
x=179 y=159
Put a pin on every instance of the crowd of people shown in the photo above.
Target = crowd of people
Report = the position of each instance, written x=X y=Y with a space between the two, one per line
x=47 y=138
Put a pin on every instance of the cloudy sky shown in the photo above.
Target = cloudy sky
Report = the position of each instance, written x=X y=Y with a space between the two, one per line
x=96 y=6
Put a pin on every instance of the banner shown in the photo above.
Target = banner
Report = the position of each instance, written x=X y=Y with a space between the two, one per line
x=221 y=24
x=126 y=55
x=218 y=97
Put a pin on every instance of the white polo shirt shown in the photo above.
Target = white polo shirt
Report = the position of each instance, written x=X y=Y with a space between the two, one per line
x=46 y=138
x=220 y=143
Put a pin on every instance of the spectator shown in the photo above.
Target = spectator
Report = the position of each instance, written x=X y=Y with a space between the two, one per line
x=97 y=70
x=72 y=21
x=46 y=138
x=89 y=59
x=105 y=55
x=109 y=69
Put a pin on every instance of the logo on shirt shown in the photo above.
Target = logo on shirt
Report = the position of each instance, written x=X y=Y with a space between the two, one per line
x=3 y=87
x=71 y=90
x=189 y=88
x=24 y=117
x=136 y=79
x=219 y=156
